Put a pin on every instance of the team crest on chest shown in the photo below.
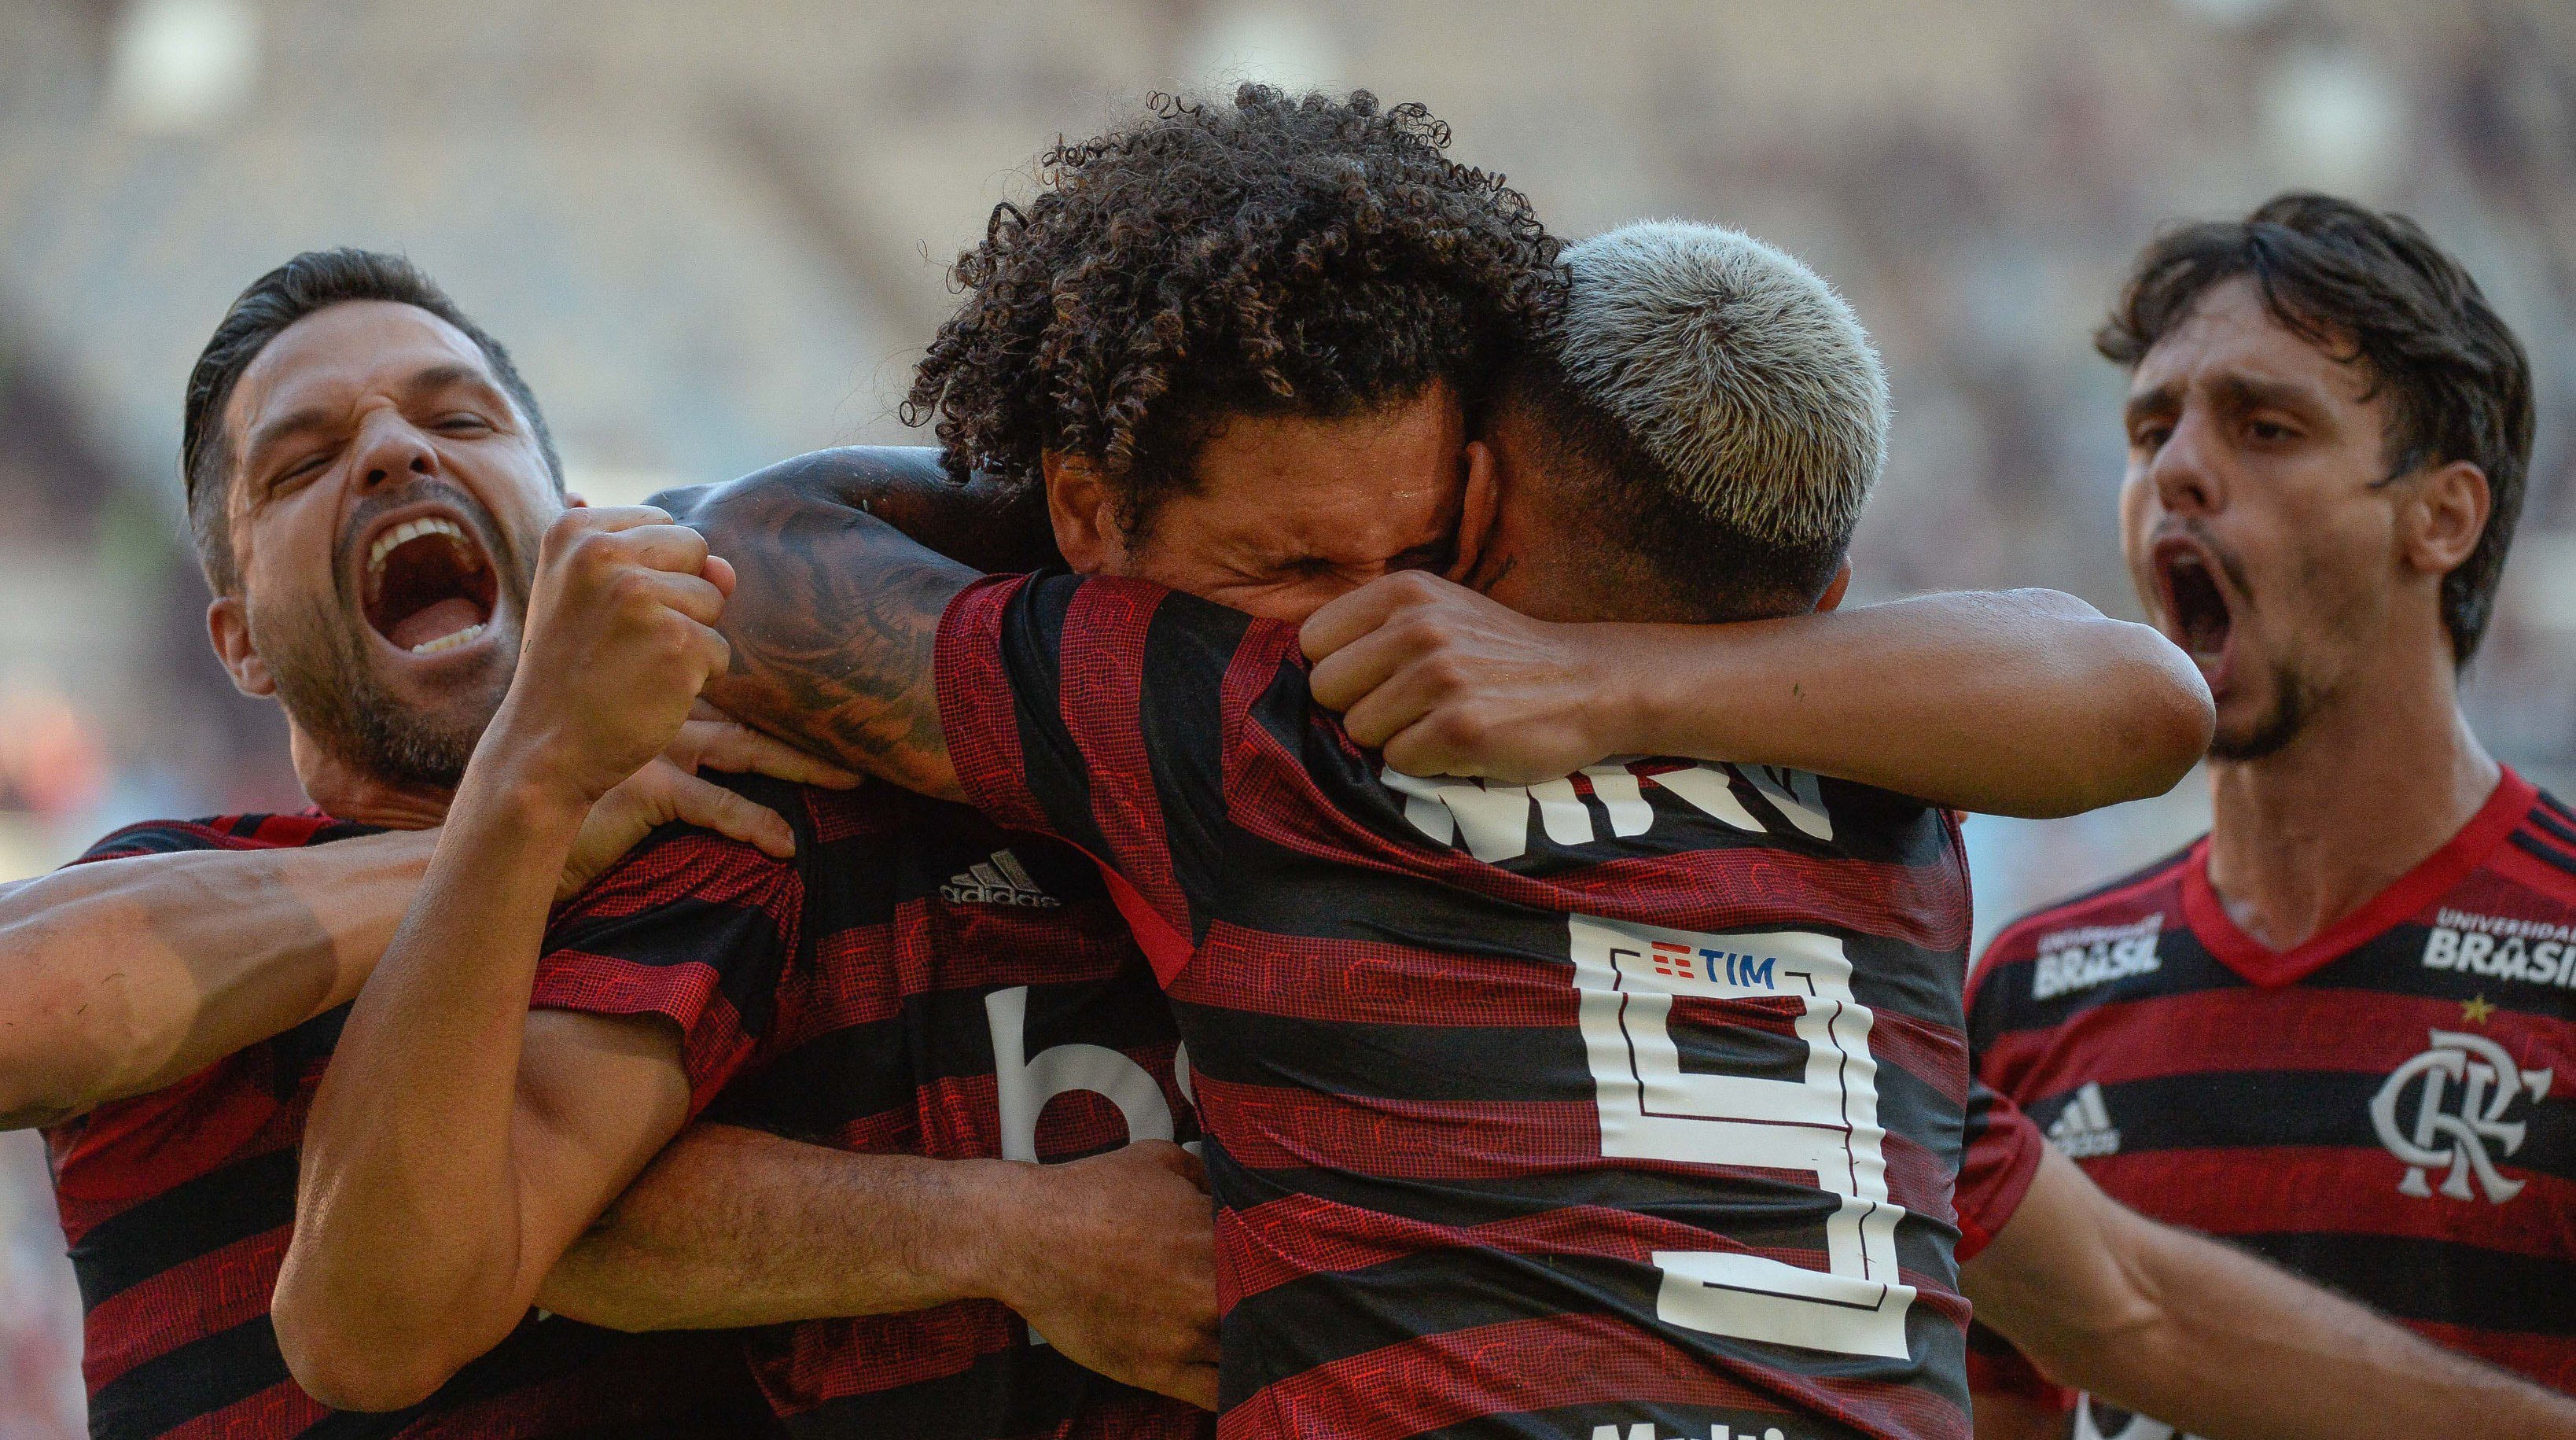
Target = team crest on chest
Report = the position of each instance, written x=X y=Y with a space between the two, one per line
x=2445 y=1110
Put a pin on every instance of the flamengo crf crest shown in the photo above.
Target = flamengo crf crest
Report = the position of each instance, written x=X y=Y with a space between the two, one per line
x=2460 y=1091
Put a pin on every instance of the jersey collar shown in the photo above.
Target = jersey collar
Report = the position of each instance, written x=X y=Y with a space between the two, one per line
x=2410 y=892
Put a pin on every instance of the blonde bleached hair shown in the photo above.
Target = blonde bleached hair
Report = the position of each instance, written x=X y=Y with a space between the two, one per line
x=1737 y=369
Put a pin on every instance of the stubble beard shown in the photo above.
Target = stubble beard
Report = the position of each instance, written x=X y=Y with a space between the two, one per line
x=325 y=681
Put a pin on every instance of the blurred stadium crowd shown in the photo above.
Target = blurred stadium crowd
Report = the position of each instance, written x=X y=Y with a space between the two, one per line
x=714 y=236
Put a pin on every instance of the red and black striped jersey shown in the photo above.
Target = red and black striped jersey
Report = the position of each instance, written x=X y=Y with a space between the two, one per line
x=917 y=982
x=1628 y=1103
x=178 y=1206
x=2386 y=1108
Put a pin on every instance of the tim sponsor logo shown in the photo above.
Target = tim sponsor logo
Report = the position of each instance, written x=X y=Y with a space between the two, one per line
x=2534 y=951
x=2079 y=959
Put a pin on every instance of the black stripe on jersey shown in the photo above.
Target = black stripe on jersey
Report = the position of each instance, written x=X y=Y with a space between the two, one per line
x=1289 y=1329
x=246 y=1198
x=197 y=1378
x=1179 y=702
x=2557 y=807
x=2555 y=827
x=2436 y=1280
x=2148 y=871
x=1025 y=1390
x=685 y=931
x=1032 y=654
x=2546 y=854
x=813 y=1090
x=2223 y=1109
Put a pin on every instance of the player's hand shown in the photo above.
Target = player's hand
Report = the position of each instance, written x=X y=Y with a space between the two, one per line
x=620 y=640
x=1116 y=1267
x=669 y=788
x=1447 y=682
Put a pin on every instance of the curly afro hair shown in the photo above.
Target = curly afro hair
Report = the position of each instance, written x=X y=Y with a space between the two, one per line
x=1279 y=255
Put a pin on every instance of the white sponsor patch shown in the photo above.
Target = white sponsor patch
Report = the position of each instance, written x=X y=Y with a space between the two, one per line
x=2501 y=947
x=2071 y=960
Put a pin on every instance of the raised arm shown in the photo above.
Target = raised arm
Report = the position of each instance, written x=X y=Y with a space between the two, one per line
x=837 y=613
x=1111 y=1258
x=2019 y=702
x=2217 y=1342
x=441 y=1176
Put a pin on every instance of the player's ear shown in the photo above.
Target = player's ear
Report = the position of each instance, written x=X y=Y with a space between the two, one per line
x=1083 y=514
x=228 y=627
x=2439 y=524
x=1478 y=505
x=1836 y=588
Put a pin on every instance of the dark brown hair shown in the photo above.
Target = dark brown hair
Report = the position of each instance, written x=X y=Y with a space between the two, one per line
x=314 y=280
x=1276 y=255
x=2373 y=289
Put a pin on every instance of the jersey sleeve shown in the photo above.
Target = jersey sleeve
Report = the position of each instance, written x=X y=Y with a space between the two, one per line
x=1102 y=712
x=1998 y=1161
x=690 y=926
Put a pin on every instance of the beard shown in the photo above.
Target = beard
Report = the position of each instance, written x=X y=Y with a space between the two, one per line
x=2294 y=704
x=325 y=681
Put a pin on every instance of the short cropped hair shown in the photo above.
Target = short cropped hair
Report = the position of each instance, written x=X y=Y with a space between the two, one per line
x=2374 y=290
x=312 y=281
x=1729 y=403
x=1274 y=254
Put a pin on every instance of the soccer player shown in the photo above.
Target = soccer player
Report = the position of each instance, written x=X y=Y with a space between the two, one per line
x=172 y=1000
x=366 y=474
x=2339 y=1029
x=1394 y=1042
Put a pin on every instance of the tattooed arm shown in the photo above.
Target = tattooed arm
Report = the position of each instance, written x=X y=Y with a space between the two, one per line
x=836 y=612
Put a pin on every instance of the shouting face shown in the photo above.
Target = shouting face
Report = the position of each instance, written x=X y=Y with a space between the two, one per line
x=386 y=500
x=2261 y=523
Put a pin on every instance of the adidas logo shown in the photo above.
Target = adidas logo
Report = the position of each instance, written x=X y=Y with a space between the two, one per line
x=998 y=881
x=2083 y=1129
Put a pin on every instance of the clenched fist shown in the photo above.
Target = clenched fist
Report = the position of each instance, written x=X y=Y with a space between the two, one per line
x=1447 y=682
x=620 y=641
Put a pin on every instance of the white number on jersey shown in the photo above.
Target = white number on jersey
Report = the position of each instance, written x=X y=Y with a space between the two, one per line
x=1824 y=1124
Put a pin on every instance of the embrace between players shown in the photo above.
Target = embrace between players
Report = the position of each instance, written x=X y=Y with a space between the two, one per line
x=1622 y=1088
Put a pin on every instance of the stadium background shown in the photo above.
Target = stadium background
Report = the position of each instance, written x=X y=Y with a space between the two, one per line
x=714 y=234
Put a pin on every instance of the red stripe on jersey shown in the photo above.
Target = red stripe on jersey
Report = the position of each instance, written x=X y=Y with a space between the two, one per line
x=713 y=1047
x=2324 y=1189
x=2362 y=1031
x=1450 y=1379
x=132 y=1150
x=2003 y=1157
x=203 y=1296
x=868 y=1354
x=2439 y=872
x=1101 y=707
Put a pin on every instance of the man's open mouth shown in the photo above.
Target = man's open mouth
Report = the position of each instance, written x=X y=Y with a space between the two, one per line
x=2196 y=604
x=429 y=584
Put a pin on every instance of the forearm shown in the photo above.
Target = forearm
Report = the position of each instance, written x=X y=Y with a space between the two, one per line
x=2240 y=1348
x=408 y=1239
x=120 y=977
x=833 y=625
x=2216 y=1341
x=731 y=1227
x=2014 y=703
